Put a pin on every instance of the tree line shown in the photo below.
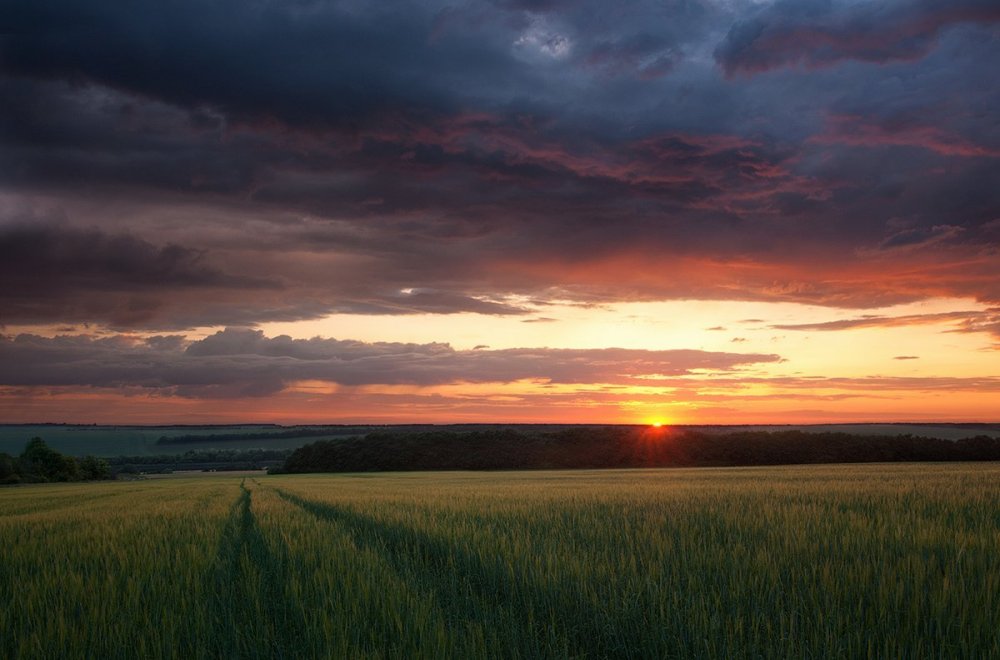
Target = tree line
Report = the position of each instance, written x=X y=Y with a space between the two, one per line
x=39 y=463
x=214 y=438
x=621 y=447
x=204 y=459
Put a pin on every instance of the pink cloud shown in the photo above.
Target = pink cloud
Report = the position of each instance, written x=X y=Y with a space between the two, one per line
x=856 y=131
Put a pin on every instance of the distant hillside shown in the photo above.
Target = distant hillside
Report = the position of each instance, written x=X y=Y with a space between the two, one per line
x=109 y=441
x=621 y=447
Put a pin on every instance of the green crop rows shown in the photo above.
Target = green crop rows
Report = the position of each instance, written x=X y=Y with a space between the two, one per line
x=833 y=561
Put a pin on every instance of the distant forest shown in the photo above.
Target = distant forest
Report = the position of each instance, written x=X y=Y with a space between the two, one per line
x=298 y=432
x=39 y=463
x=621 y=447
x=219 y=460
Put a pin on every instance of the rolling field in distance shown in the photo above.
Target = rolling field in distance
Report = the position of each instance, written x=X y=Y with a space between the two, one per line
x=898 y=560
x=133 y=440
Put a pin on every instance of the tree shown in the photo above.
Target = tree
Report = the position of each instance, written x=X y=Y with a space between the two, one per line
x=42 y=463
x=93 y=469
x=8 y=470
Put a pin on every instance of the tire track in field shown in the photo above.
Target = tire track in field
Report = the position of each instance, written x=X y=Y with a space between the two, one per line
x=253 y=614
x=464 y=586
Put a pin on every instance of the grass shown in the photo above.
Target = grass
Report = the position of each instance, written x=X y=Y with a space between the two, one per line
x=831 y=561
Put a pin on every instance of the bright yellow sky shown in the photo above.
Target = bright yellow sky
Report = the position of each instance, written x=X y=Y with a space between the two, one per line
x=861 y=353
x=689 y=325
x=824 y=376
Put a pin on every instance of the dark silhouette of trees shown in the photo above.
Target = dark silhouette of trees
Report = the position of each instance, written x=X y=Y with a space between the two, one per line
x=621 y=447
x=94 y=469
x=46 y=464
x=8 y=470
x=200 y=459
x=40 y=463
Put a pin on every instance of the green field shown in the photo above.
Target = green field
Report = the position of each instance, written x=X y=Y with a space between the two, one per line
x=831 y=561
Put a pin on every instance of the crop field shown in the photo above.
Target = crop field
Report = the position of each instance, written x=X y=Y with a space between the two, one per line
x=832 y=561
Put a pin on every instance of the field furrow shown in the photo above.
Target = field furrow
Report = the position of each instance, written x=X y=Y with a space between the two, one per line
x=251 y=609
x=485 y=597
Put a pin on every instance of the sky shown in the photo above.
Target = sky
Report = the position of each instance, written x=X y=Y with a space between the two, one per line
x=682 y=212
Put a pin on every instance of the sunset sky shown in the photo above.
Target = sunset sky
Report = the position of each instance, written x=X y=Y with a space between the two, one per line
x=691 y=211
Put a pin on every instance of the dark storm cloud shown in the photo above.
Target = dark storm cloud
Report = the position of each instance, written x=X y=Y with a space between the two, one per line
x=52 y=273
x=247 y=363
x=643 y=55
x=36 y=257
x=818 y=33
x=286 y=160
x=339 y=64
x=299 y=61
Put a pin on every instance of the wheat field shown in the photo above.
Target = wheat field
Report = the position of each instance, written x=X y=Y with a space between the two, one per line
x=797 y=562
